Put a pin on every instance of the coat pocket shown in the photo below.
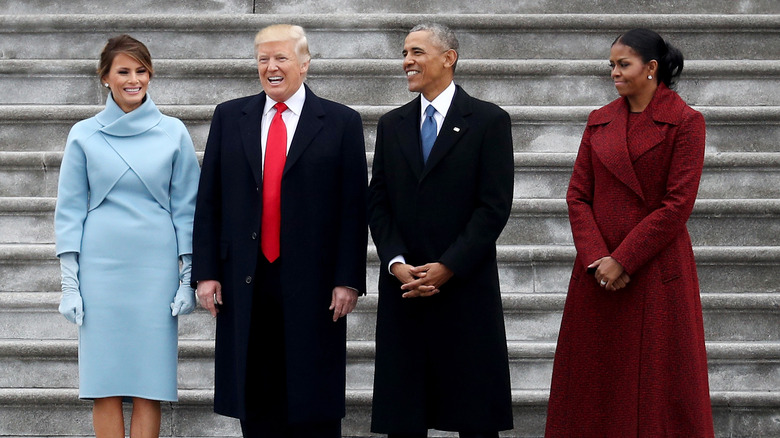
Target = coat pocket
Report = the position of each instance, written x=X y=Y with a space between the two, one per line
x=669 y=264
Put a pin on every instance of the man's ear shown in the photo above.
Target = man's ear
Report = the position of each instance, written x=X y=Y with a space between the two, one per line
x=450 y=58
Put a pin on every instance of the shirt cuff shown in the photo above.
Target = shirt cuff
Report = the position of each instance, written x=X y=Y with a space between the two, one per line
x=396 y=259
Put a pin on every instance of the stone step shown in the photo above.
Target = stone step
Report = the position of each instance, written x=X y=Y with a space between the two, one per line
x=34 y=128
x=523 y=269
x=148 y=6
x=378 y=6
x=27 y=220
x=504 y=82
x=732 y=175
x=726 y=175
x=747 y=366
x=714 y=222
x=537 y=317
x=53 y=364
x=729 y=222
x=730 y=317
x=482 y=36
x=736 y=413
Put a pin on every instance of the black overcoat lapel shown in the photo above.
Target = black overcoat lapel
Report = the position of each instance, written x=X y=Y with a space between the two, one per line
x=409 y=137
x=250 y=135
x=309 y=124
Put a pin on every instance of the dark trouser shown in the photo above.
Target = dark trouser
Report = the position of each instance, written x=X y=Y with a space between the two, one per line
x=266 y=377
x=461 y=434
x=275 y=429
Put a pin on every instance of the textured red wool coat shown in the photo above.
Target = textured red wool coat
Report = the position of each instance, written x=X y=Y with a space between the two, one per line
x=632 y=363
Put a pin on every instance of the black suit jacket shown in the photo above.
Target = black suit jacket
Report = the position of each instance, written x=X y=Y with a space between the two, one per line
x=323 y=245
x=441 y=362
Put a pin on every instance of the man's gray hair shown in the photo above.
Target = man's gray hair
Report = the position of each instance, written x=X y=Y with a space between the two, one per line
x=442 y=35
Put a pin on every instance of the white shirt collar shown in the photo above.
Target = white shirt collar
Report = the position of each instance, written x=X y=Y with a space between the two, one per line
x=441 y=102
x=294 y=103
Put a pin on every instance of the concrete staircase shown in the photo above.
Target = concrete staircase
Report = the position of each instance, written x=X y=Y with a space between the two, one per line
x=547 y=70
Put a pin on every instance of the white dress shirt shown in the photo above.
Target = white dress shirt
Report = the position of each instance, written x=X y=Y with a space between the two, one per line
x=442 y=104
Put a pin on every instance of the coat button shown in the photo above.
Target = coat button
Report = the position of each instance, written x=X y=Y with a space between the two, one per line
x=254 y=236
x=248 y=279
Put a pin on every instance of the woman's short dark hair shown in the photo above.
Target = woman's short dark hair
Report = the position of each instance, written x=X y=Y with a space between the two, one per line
x=130 y=47
x=650 y=46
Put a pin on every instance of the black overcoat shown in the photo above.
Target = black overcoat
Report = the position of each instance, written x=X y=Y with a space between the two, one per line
x=323 y=245
x=441 y=362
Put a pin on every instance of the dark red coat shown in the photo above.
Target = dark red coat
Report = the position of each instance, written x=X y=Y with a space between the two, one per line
x=632 y=363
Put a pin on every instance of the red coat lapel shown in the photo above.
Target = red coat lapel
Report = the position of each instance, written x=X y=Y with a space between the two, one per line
x=666 y=108
x=609 y=143
x=643 y=135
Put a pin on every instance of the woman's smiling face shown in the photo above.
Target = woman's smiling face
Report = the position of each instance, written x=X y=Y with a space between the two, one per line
x=128 y=80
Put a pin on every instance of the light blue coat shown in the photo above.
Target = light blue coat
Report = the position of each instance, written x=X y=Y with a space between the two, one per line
x=126 y=200
x=156 y=147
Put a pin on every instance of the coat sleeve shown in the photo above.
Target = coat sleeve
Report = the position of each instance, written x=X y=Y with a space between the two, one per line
x=353 y=232
x=184 y=191
x=207 y=222
x=384 y=230
x=663 y=225
x=588 y=241
x=495 y=184
x=72 y=197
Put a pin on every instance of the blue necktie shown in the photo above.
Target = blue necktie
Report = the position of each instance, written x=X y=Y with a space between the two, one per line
x=428 y=132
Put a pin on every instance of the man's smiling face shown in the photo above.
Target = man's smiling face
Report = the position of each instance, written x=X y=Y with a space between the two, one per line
x=280 y=69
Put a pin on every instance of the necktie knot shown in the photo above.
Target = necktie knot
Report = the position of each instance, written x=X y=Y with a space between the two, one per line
x=280 y=108
x=430 y=111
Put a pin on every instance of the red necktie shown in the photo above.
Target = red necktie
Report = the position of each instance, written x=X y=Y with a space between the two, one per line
x=275 y=156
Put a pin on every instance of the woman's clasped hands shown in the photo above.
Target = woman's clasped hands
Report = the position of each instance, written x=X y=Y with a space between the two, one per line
x=610 y=274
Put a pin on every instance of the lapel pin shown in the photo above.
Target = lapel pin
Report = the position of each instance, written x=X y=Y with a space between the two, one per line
x=456 y=129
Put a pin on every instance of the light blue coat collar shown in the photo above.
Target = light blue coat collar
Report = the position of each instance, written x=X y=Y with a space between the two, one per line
x=118 y=123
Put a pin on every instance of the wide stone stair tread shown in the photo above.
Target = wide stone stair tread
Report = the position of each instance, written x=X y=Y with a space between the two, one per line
x=536 y=128
x=516 y=82
x=374 y=6
x=729 y=222
x=537 y=174
x=28 y=363
x=40 y=128
x=575 y=36
x=522 y=268
x=529 y=317
x=192 y=415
